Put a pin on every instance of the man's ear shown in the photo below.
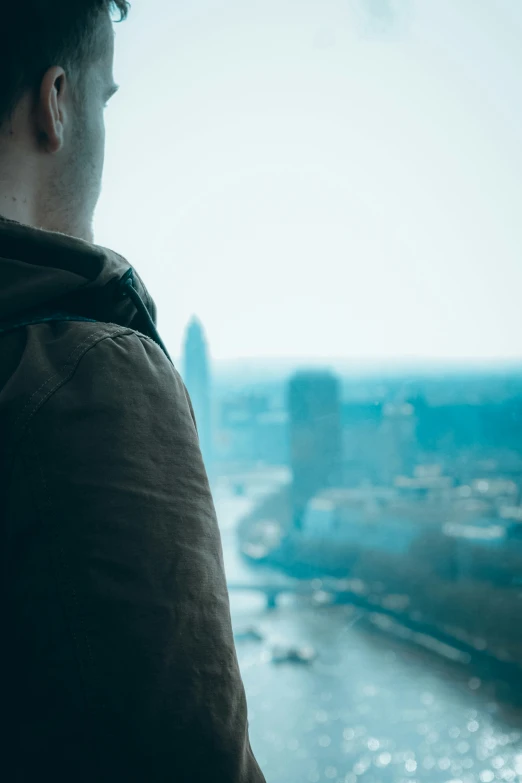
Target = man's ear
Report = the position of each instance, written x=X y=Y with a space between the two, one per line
x=51 y=109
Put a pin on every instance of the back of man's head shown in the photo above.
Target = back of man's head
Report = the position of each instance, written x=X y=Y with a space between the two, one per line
x=56 y=59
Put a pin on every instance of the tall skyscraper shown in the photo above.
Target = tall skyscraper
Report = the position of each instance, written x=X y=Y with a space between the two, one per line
x=315 y=437
x=196 y=374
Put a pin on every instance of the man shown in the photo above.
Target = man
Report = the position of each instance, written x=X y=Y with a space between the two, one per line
x=118 y=661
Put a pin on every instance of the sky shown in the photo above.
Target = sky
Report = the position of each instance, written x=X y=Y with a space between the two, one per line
x=322 y=178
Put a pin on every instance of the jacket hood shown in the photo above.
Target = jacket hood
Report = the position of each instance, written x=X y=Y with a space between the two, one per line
x=44 y=273
x=47 y=271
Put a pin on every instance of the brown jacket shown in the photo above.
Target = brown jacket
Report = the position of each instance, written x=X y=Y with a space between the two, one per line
x=118 y=660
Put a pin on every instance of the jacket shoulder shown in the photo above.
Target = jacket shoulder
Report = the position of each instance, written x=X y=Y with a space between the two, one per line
x=49 y=359
x=112 y=465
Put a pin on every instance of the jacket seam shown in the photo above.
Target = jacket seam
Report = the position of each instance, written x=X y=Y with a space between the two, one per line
x=73 y=359
x=60 y=559
x=61 y=569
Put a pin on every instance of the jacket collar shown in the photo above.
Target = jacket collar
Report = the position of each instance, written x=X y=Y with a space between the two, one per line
x=47 y=270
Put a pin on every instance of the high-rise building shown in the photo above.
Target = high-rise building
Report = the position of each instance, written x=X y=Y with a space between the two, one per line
x=362 y=437
x=316 y=450
x=196 y=374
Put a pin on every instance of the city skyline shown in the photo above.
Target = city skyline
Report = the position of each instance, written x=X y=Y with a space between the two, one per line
x=275 y=365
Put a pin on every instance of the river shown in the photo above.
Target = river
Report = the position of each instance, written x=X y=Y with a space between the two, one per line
x=368 y=708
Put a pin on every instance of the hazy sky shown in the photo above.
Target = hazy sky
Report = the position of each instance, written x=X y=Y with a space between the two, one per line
x=337 y=178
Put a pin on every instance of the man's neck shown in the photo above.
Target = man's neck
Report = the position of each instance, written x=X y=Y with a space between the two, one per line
x=12 y=209
x=17 y=180
x=15 y=203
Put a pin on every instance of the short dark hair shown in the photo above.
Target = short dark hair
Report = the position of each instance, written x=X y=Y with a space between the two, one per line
x=37 y=34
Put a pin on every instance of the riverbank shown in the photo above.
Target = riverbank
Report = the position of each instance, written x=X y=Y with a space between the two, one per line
x=421 y=589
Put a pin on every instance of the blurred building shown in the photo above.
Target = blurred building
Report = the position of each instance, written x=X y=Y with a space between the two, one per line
x=367 y=518
x=463 y=425
x=399 y=441
x=362 y=442
x=316 y=446
x=251 y=431
x=196 y=374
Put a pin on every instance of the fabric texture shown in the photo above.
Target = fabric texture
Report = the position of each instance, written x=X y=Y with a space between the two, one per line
x=118 y=658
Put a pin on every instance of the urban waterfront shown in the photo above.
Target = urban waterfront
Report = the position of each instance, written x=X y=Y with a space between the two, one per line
x=368 y=708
